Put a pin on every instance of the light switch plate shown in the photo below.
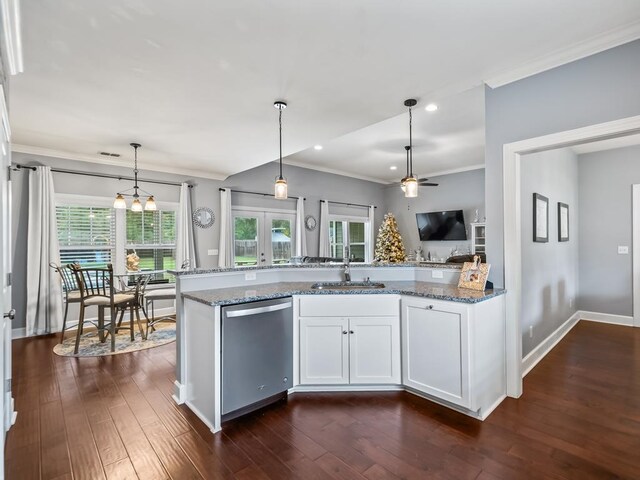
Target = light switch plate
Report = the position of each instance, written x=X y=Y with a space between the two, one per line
x=623 y=250
x=250 y=276
x=212 y=251
x=437 y=274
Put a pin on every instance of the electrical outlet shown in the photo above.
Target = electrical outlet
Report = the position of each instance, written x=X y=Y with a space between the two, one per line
x=571 y=302
x=437 y=274
x=213 y=251
x=250 y=276
x=623 y=250
x=530 y=331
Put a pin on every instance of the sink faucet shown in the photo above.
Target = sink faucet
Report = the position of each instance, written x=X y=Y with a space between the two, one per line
x=347 y=269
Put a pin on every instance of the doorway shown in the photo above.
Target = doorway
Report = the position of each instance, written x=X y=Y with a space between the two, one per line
x=512 y=154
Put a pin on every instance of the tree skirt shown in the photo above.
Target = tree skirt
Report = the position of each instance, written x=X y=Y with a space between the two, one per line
x=90 y=345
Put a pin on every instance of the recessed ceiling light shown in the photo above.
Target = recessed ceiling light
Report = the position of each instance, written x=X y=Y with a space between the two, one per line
x=431 y=107
x=393 y=167
x=317 y=147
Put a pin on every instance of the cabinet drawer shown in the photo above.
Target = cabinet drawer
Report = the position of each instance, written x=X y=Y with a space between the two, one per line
x=370 y=305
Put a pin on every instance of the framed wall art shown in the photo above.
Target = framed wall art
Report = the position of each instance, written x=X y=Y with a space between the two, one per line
x=540 y=218
x=563 y=222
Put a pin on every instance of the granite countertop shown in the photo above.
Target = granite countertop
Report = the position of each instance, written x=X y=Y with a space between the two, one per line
x=436 y=291
x=202 y=271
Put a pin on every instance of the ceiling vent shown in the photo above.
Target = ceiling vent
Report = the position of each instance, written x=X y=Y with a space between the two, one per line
x=108 y=154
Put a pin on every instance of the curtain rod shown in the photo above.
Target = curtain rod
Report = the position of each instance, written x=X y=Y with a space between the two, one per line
x=348 y=204
x=17 y=166
x=256 y=193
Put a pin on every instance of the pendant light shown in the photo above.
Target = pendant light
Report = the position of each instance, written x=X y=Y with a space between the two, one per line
x=136 y=205
x=281 y=182
x=410 y=181
x=404 y=179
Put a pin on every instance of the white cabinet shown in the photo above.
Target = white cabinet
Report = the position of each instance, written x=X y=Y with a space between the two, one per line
x=435 y=357
x=324 y=350
x=361 y=348
x=455 y=351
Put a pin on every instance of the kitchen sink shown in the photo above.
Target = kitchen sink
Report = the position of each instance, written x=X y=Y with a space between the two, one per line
x=346 y=285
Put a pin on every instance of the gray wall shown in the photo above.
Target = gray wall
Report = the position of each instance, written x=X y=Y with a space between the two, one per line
x=606 y=180
x=456 y=191
x=596 y=89
x=314 y=186
x=310 y=183
x=549 y=270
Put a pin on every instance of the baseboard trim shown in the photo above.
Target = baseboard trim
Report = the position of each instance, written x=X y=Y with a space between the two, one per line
x=484 y=414
x=179 y=392
x=346 y=388
x=202 y=417
x=606 y=318
x=541 y=351
x=18 y=333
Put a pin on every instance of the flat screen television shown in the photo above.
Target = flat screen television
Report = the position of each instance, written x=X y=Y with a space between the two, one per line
x=447 y=225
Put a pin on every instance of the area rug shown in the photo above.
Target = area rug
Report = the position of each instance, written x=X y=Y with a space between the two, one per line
x=90 y=345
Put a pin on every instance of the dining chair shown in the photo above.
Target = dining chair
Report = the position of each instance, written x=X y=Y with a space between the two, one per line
x=70 y=291
x=98 y=289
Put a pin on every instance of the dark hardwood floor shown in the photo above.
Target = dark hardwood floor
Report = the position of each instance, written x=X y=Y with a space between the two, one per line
x=114 y=418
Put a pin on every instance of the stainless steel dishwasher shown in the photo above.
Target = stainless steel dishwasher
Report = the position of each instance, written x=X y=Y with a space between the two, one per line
x=257 y=355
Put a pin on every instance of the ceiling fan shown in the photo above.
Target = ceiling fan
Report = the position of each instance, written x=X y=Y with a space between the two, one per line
x=422 y=182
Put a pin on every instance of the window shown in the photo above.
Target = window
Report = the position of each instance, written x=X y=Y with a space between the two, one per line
x=263 y=237
x=349 y=233
x=92 y=233
x=86 y=235
x=152 y=237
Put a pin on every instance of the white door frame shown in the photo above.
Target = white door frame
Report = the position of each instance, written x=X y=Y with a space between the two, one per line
x=512 y=153
x=635 y=251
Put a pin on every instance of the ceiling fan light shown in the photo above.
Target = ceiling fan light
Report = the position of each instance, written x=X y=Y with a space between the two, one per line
x=411 y=187
x=281 y=188
x=119 y=202
x=136 y=206
x=150 y=204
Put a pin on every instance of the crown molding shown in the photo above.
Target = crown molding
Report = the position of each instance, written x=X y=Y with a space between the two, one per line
x=153 y=167
x=597 y=44
x=439 y=173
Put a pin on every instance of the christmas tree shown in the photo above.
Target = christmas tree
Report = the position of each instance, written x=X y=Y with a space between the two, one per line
x=389 y=247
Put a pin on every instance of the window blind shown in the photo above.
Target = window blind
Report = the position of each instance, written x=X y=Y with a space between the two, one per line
x=86 y=235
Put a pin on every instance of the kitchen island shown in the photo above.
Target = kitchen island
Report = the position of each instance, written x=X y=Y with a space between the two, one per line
x=427 y=337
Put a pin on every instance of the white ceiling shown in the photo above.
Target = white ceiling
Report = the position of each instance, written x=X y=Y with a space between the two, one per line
x=194 y=82
x=449 y=139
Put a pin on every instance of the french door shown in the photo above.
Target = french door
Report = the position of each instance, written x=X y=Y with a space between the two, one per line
x=263 y=237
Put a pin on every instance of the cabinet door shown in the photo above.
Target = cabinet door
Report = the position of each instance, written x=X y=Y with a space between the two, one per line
x=374 y=350
x=324 y=350
x=435 y=356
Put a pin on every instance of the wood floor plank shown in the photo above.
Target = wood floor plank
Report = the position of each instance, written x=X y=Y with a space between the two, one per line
x=169 y=452
x=143 y=458
x=206 y=462
x=121 y=470
x=54 y=450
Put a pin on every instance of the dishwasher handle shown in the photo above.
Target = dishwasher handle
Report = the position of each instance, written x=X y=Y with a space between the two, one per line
x=256 y=311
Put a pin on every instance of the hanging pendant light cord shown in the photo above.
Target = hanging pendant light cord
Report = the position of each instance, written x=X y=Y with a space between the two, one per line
x=280 y=126
x=410 y=143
